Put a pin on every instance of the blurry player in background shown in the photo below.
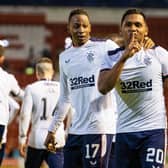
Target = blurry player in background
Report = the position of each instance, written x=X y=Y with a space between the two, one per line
x=37 y=108
x=13 y=109
x=140 y=78
x=8 y=85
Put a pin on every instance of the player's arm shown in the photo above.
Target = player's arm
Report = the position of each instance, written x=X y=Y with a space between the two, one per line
x=165 y=87
x=69 y=120
x=58 y=118
x=24 y=120
x=162 y=55
x=60 y=111
x=108 y=78
x=13 y=108
x=15 y=88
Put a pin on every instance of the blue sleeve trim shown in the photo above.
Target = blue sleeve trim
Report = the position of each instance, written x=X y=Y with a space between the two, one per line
x=112 y=52
x=154 y=46
x=106 y=69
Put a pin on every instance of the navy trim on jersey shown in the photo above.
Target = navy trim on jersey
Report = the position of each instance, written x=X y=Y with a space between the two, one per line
x=112 y=52
x=69 y=46
x=106 y=69
x=154 y=46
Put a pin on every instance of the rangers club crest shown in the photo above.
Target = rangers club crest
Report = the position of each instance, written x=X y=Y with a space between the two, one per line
x=90 y=56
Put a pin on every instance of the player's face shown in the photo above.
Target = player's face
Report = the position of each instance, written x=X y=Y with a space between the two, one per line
x=134 y=23
x=79 y=28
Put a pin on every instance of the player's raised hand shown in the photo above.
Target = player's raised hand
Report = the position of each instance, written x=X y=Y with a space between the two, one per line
x=132 y=47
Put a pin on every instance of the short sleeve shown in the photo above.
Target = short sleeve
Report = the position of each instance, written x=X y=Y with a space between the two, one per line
x=162 y=55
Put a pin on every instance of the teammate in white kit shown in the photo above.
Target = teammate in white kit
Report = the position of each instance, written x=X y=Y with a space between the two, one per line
x=13 y=109
x=92 y=128
x=38 y=105
x=140 y=78
x=8 y=84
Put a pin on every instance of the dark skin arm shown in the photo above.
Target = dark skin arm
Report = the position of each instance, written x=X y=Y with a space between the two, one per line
x=107 y=79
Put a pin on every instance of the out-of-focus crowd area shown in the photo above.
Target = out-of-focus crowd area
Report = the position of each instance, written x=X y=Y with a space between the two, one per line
x=38 y=28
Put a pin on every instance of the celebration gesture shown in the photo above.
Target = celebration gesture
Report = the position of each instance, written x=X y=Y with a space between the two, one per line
x=133 y=46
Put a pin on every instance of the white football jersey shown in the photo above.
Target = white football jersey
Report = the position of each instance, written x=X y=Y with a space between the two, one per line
x=13 y=108
x=140 y=89
x=8 y=84
x=79 y=69
x=38 y=106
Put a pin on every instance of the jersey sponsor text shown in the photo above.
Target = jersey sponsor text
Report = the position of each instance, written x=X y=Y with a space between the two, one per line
x=81 y=82
x=136 y=86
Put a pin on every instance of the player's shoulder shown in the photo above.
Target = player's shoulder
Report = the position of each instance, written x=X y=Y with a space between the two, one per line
x=96 y=42
x=160 y=53
x=160 y=50
x=7 y=74
x=56 y=82
x=111 y=42
x=65 y=53
x=106 y=44
x=53 y=83
x=33 y=85
x=29 y=87
x=90 y=44
x=44 y=82
x=37 y=85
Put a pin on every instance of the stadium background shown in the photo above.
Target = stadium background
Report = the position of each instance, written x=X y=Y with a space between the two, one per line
x=37 y=28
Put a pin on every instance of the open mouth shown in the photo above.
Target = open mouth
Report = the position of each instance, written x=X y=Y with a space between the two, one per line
x=81 y=37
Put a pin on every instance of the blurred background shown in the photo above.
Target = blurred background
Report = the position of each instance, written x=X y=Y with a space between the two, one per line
x=35 y=28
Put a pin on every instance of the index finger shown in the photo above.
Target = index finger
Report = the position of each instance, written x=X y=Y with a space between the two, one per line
x=132 y=36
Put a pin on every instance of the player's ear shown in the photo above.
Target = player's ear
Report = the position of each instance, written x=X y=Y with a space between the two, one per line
x=146 y=30
x=146 y=33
